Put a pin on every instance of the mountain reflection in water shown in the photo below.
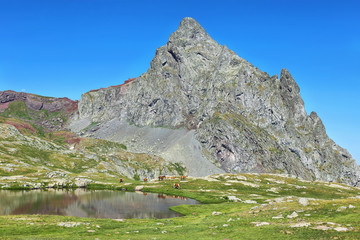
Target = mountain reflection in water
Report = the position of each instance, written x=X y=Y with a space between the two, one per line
x=90 y=203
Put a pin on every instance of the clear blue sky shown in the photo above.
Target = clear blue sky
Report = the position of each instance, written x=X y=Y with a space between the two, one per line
x=67 y=47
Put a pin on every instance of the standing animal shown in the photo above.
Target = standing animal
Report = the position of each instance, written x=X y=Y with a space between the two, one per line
x=176 y=185
x=121 y=180
x=161 y=178
x=145 y=179
x=182 y=177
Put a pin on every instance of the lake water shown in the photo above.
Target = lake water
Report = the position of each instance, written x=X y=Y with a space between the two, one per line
x=90 y=203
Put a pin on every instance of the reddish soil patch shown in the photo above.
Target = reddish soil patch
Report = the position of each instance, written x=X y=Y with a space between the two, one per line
x=21 y=126
x=4 y=106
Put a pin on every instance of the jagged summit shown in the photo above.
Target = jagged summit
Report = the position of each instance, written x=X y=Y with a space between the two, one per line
x=189 y=28
x=203 y=106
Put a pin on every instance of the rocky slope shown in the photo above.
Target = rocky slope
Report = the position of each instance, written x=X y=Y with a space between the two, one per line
x=46 y=112
x=62 y=159
x=242 y=119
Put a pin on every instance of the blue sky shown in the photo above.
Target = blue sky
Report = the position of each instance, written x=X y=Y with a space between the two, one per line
x=67 y=47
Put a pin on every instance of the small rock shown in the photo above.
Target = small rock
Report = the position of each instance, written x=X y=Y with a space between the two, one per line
x=322 y=227
x=303 y=201
x=342 y=208
x=279 y=200
x=331 y=223
x=351 y=206
x=69 y=224
x=250 y=201
x=274 y=190
x=139 y=188
x=300 y=224
x=163 y=232
x=278 y=217
x=225 y=225
x=341 y=229
x=216 y=213
x=91 y=231
x=257 y=224
x=293 y=215
x=233 y=198
x=240 y=177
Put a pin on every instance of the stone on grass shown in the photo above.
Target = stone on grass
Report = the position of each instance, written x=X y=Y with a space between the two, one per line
x=258 y=224
x=234 y=198
x=303 y=201
x=216 y=213
x=274 y=190
x=322 y=227
x=341 y=229
x=342 y=208
x=300 y=224
x=69 y=224
x=250 y=201
x=293 y=215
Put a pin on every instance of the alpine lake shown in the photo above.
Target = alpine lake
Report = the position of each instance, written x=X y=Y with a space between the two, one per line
x=90 y=203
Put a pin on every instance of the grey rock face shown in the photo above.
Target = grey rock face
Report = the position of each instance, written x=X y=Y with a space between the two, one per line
x=244 y=119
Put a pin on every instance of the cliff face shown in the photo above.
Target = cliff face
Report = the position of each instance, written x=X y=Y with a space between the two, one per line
x=244 y=119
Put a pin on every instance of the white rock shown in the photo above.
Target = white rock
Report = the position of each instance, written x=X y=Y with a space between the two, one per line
x=293 y=215
x=274 y=190
x=234 y=198
x=322 y=227
x=139 y=188
x=69 y=224
x=216 y=213
x=257 y=224
x=250 y=201
x=300 y=224
x=278 y=217
x=341 y=229
x=240 y=177
x=303 y=201
x=342 y=208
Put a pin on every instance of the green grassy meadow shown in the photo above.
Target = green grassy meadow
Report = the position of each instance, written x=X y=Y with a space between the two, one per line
x=235 y=206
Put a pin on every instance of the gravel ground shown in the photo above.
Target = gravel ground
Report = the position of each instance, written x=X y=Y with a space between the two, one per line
x=174 y=145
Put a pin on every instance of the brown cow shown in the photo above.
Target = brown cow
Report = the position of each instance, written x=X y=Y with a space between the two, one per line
x=176 y=185
x=145 y=179
x=121 y=180
x=161 y=178
x=182 y=177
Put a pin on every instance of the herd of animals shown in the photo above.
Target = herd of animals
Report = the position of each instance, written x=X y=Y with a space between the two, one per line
x=162 y=178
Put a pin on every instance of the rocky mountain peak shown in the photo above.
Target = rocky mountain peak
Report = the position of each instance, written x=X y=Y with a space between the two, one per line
x=189 y=29
x=233 y=115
